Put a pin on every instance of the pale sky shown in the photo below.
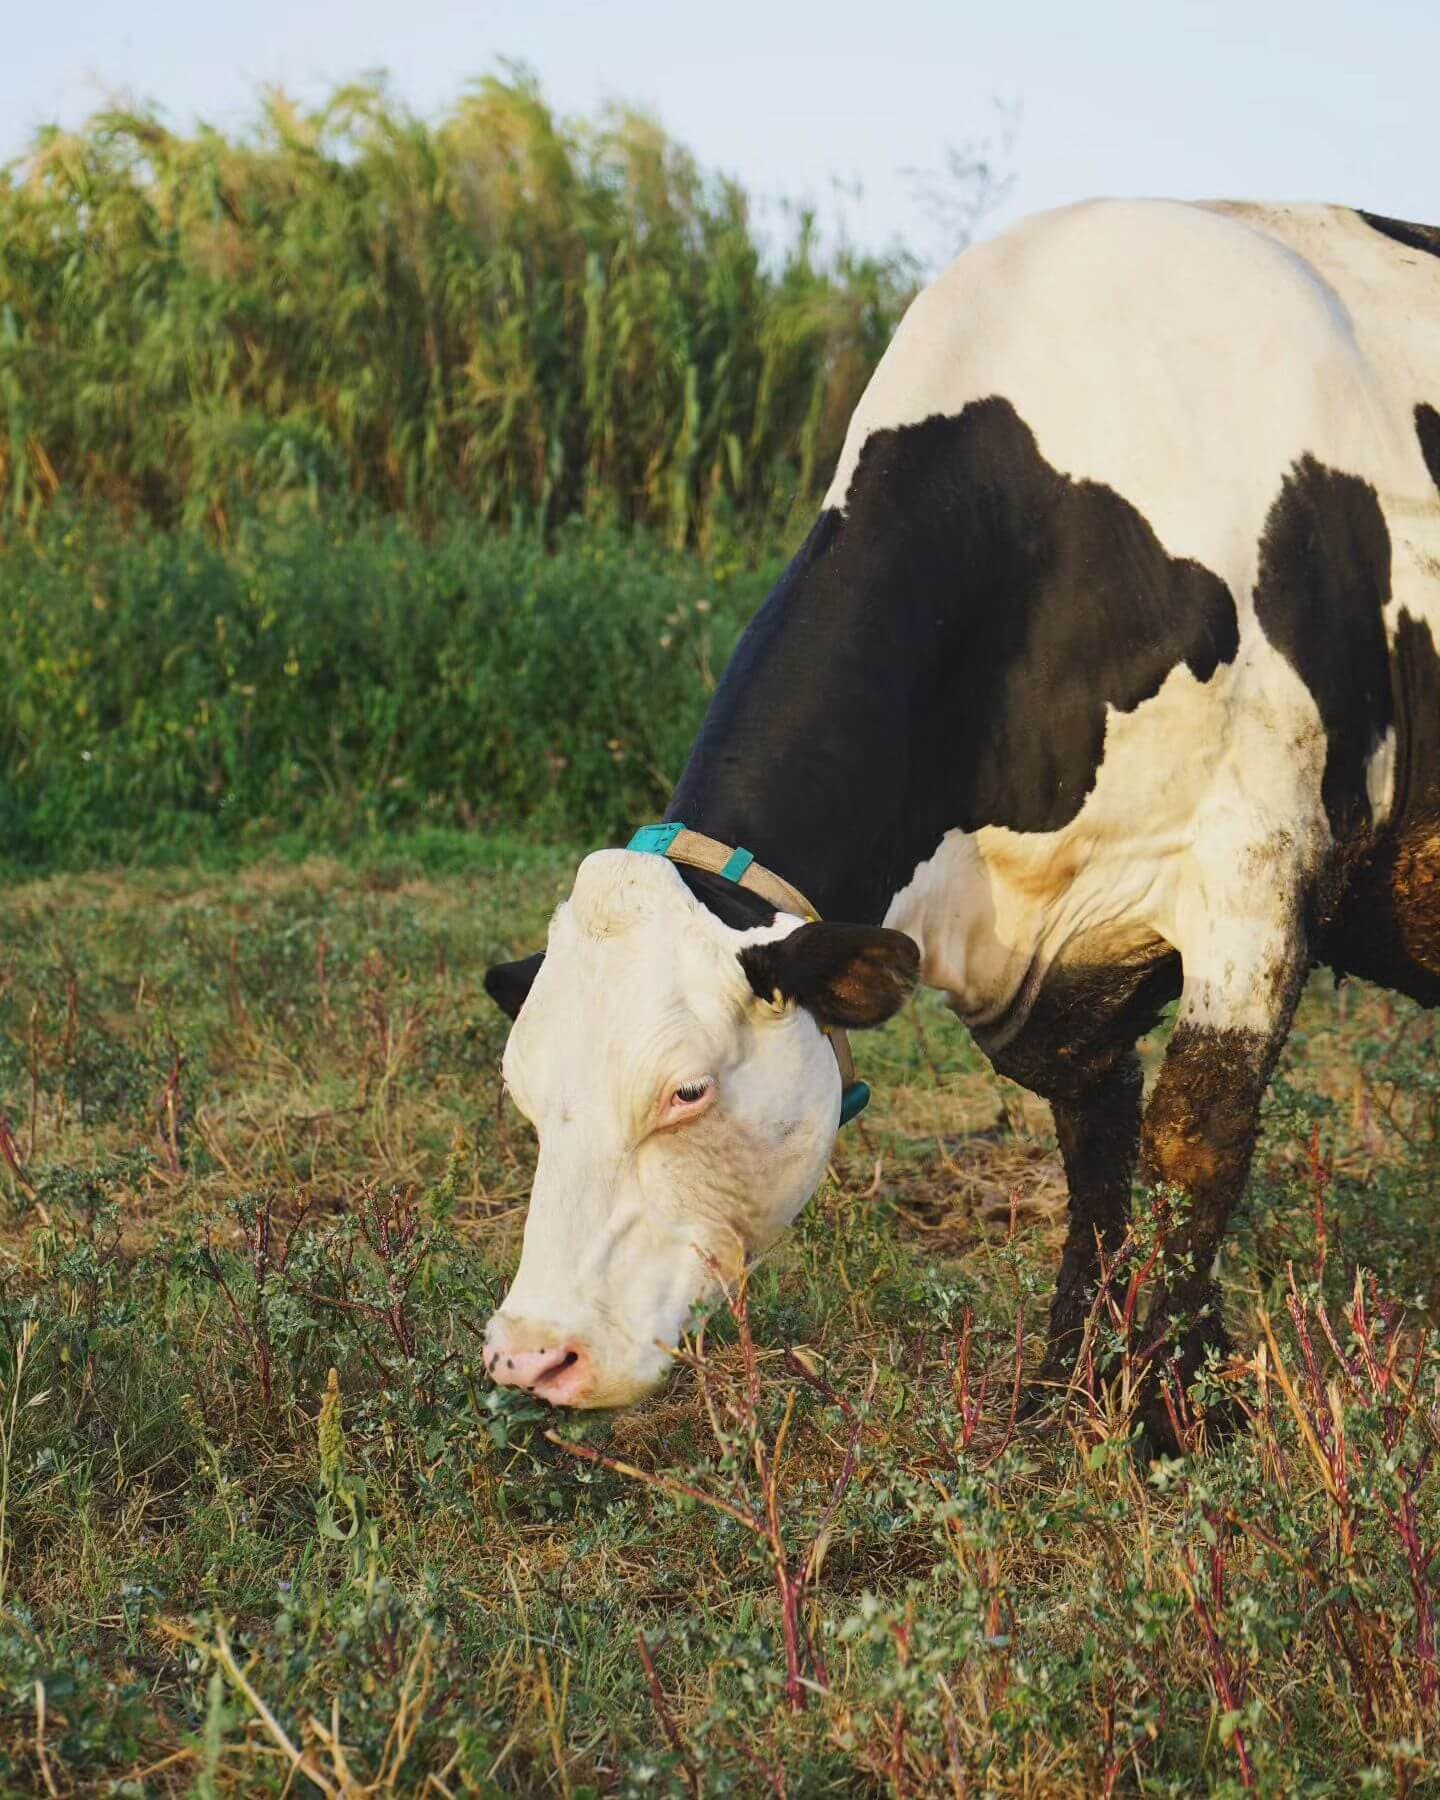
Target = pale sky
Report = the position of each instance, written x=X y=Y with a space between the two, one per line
x=1274 y=99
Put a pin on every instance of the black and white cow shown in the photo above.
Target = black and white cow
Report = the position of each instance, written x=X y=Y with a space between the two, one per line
x=1107 y=676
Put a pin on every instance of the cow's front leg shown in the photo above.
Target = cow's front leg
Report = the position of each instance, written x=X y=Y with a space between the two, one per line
x=1197 y=1139
x=1099 y=1136
x=1078 y=1051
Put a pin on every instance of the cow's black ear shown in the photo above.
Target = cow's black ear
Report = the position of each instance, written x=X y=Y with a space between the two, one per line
x=848 y=975
x=508 y=984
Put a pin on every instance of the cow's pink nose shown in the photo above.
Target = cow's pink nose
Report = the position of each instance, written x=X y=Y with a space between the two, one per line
x=556 y=1372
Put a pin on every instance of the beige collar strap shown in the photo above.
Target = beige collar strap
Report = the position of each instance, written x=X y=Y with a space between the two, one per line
x=700 y=852
x=678 y=844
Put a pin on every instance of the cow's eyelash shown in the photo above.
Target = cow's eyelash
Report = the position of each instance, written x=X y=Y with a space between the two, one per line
x=689 y=1092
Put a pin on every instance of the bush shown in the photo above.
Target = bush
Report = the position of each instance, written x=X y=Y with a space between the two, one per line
x=160 y=689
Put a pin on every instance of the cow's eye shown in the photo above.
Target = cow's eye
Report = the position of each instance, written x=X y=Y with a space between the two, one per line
x=691 y=1095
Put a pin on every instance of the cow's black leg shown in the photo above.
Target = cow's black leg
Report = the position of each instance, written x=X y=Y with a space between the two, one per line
x=1078 y=1052
x=1197 y=1139
x=1099 y=1136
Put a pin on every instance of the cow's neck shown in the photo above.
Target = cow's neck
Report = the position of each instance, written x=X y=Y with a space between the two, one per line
x=808 y=753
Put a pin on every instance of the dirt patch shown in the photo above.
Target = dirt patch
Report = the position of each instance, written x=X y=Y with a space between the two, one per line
x=969 y=1188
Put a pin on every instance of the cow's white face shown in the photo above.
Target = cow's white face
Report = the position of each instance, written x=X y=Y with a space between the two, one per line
x=685 y=1101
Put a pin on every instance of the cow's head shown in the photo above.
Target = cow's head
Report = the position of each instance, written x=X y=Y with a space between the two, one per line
x=686 y=1100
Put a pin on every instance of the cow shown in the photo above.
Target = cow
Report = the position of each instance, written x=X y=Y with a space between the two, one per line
x=1105 y=679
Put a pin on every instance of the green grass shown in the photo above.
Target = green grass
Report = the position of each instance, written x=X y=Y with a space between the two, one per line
x=254 y=1133
x=167 y=696
x=528 y=317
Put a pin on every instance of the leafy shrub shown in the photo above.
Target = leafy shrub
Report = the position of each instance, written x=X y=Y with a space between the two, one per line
x=163 y=688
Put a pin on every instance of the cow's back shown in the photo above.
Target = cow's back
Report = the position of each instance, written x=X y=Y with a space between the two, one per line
x=1184 y=355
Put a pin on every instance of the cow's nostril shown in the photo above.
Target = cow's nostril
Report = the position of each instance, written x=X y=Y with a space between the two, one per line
x=562 y=1361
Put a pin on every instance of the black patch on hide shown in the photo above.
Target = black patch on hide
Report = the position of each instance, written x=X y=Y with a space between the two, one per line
x=733 y=905
x=1401 y=231
x=1427 y=429
x=942 y=655
x=1324 y=579
x=1386 y=924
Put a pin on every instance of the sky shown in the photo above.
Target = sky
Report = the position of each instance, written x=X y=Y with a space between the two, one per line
x=836 y=104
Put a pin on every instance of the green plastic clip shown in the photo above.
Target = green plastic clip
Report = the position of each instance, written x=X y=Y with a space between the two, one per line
x=854 y=1100
x=740 y=861
x=655 y=840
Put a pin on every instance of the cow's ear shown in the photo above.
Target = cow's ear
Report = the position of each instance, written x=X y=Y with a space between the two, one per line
x=508 y=984
x=848 y=975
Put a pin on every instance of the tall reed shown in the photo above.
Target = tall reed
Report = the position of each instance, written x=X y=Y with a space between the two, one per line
x=520 y=315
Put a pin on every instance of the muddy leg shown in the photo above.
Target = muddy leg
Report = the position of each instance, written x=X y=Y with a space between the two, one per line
x=1078 y=1051
x=1197 y=1140
x=1099 y=1135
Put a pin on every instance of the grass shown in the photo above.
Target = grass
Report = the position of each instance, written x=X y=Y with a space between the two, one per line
x=265 y=1529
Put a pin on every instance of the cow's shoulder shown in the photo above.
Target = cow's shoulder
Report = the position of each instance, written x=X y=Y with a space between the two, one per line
x=1041 y=602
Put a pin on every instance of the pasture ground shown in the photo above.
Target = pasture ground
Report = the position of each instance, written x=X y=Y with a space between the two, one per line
x=254 y=1133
